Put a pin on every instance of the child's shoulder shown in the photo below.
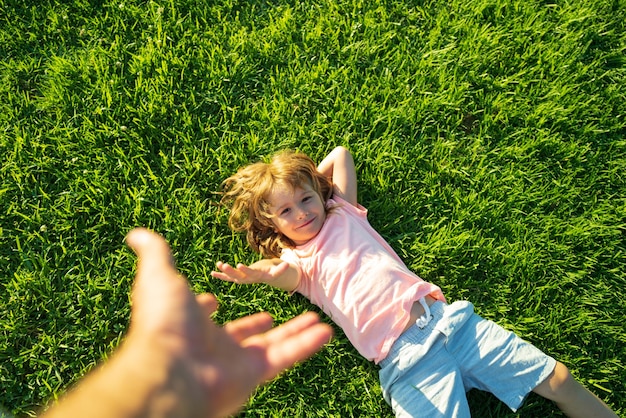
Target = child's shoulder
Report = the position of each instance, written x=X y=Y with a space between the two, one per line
x=337 y=202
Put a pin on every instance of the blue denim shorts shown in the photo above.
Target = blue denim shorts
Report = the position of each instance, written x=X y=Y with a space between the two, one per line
x=429 y=370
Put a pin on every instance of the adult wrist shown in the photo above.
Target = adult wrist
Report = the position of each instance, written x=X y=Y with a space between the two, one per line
x=141 y=379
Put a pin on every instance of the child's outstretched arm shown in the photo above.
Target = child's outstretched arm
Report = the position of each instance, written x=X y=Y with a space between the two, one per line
x=274 y=272
x=339 y=166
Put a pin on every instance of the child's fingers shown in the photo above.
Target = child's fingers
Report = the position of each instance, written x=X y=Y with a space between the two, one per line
x=241 y=274
x=246 y=272
x=222 y=276
x=228 y=270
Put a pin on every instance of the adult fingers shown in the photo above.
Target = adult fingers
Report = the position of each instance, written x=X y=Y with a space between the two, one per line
x=159 y=292
x=248 y=326
x=207 y=302
x=289 y=328
x=291 y=342
x=297 y=348
x=155 y=257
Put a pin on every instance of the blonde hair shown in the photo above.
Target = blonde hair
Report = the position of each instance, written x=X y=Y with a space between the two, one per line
x=247 y=193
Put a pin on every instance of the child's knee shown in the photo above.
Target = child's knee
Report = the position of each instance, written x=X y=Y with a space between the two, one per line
x=559 y=386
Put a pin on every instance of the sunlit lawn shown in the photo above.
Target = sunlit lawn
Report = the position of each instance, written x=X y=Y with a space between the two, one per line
x=490 y=145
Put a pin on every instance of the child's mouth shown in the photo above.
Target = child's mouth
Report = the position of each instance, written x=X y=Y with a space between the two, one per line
x=307 y=223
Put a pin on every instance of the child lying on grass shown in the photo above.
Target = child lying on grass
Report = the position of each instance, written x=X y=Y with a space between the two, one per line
x=316 y=240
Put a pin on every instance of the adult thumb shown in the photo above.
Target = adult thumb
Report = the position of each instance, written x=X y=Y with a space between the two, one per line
x=155 y=257
x=156 y=275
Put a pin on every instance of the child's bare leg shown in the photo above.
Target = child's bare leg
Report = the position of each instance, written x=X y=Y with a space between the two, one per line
x=570 y=396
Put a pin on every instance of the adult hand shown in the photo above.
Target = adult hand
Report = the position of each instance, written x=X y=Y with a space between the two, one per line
x=175 y=361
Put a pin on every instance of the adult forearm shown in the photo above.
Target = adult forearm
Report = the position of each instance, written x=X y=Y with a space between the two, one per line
x=125 y=386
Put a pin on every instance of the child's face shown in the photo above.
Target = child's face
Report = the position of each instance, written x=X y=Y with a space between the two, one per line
x=298 y=214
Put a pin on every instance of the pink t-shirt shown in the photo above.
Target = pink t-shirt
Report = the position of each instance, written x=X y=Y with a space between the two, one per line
x=357 y=279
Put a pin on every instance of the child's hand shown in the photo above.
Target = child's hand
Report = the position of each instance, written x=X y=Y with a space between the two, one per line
x=264 y=271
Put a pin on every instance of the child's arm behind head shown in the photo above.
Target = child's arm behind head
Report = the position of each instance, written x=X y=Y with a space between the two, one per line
x=339 y=166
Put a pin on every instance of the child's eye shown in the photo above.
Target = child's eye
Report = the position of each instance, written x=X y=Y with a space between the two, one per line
x=306 y=199
x=284 y=211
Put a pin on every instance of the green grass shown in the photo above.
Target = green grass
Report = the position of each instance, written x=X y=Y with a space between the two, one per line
x=489 y=137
